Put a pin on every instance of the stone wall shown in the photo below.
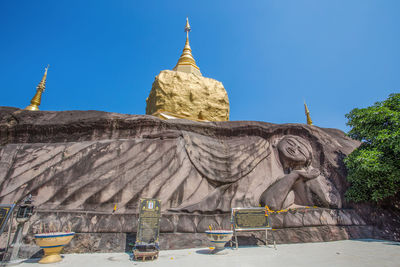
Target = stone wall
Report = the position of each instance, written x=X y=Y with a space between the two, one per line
x=108 y=232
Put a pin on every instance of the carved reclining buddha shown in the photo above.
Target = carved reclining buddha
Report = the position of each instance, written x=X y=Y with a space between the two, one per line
x=239 y=173
x=188 y=171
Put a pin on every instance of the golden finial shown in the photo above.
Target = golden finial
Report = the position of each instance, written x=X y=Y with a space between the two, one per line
x=186 y=62
x=35 y=102
x=187 y=28
x=309 y=121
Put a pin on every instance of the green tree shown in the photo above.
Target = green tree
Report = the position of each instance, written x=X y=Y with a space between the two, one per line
x=374 y=168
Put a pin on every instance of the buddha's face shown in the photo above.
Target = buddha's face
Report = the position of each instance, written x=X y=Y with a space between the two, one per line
x=294 y=152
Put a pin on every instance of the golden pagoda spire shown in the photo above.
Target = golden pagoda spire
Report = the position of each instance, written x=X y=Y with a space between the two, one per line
x=309 y=121
x=186 y=62
x=35 y=102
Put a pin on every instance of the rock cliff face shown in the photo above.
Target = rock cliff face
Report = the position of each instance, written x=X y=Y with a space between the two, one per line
x=79 y=164
x=186 y=95
x=90 y=161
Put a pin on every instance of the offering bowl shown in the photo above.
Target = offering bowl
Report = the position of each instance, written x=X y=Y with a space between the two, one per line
x=219 y=238
x=52 y=244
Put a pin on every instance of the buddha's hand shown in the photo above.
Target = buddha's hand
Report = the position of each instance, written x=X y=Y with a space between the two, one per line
x=308 y=174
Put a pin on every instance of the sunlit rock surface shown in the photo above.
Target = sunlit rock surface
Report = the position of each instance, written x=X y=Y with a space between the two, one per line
x=79 y=164
x=90 y=160
x=186 y=95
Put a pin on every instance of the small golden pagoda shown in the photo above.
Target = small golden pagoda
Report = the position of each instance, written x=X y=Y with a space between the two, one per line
x=184 y=93
x=186 y=62
x=309 y=121
x=35 y=102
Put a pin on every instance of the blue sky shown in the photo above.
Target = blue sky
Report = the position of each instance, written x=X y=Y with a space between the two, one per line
x=270 y=55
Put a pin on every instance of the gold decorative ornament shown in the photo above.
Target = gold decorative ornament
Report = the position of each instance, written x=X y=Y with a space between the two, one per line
x=186 y=62
x=309 y=121
x=35 y=102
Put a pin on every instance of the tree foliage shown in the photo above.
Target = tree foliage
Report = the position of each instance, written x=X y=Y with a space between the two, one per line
x=374 y=168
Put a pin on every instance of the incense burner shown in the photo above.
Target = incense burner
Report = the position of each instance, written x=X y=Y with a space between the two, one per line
x=52 y=244
x=219 y=238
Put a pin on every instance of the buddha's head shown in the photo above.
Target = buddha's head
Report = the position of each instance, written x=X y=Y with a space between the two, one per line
x=294 y=152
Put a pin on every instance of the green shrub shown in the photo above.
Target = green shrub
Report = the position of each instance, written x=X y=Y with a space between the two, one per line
x=374 y=168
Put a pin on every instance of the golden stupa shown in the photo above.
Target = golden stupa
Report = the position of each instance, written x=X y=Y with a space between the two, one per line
x=186 y=62
x=309 y=121
x=35 y=102
x=184 y=93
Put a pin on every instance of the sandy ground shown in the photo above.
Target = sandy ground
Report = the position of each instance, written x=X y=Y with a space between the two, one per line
x=366 y=252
